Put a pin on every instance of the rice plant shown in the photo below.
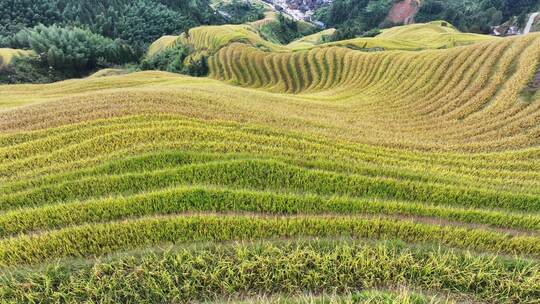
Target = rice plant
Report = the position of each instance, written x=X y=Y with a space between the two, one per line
x=293 y=174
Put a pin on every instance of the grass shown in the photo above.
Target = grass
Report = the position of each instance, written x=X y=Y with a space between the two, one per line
x=100 y=239
x=338 y=73
x=436 y=34
x=320 y=175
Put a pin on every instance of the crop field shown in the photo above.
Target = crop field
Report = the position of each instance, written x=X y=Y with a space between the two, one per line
x=434 y=35
x=317 y=175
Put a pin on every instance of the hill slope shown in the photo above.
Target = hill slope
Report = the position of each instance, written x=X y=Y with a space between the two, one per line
x=467 y=97
x=210 y=39
x=321 y=171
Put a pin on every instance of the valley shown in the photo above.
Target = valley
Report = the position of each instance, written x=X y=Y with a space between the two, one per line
x=398 y=168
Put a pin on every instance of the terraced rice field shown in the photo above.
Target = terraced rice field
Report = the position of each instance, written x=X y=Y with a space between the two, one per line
x=207 y=41
x=434 y=35
x=7 y=55
x=310 y=40
x=321 y=175
x=414 y=37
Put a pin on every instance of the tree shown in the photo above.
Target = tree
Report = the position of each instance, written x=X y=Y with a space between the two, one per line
x=74 y=49
x=178 y=59
x=354 y=18
x=241 y=11
x=142 y=23
x=134 y=19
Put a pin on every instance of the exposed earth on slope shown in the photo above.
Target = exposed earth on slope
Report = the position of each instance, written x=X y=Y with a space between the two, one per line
x=403 y=11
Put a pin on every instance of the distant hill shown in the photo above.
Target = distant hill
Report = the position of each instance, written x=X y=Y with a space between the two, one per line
x=220 y=46
x=356 y=18
x=418 y=36
x=477 y=16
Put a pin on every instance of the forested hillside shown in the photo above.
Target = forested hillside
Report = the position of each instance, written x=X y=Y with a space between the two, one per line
x=362 y=17
x=138 y=22
x=354 y=18
x=476 y=16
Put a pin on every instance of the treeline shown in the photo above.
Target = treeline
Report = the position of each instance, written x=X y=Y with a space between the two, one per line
x=62 y=53
x=73 y=49
x=181 y=59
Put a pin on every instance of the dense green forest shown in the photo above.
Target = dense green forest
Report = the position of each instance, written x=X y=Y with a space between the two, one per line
x=362 y=17
x=74 y=49
x=63 y=52
x=354 y=18
x=138 y=22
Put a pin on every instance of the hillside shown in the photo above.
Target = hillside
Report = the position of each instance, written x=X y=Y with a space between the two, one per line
x=208 y=40
x=414 y=37
x=294 y=172
x=362 y=17
x=199 y=46
x=136 y=22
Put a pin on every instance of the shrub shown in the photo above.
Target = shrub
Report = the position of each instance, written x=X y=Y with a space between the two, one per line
x=29 y=70
x=371 y=33
x=178 y=59
x=352 y=18
x=143 y=22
